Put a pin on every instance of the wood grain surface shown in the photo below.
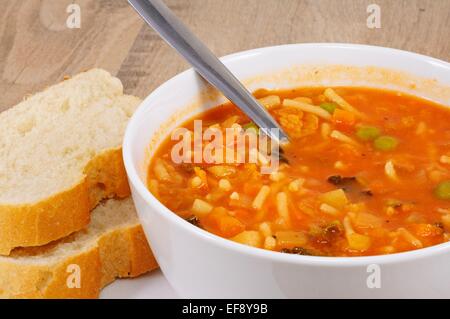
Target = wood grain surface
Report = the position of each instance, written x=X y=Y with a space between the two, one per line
x=37 y=49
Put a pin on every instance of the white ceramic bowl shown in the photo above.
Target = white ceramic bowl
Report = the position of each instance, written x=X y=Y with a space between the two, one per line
x=200 y=264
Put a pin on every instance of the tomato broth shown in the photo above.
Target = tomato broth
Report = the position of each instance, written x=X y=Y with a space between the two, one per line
x=367 y=172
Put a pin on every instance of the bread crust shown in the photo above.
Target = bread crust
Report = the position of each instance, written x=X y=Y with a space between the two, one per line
x=119 y=253
x=37 y=224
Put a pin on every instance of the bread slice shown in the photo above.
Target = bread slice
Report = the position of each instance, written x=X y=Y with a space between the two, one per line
x=112 y=246
x=60 y=154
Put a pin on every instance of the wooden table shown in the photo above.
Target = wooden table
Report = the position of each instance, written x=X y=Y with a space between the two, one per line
x=37 y=49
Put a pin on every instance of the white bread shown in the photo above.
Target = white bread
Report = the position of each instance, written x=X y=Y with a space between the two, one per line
x=112 y=246
x=60 y=155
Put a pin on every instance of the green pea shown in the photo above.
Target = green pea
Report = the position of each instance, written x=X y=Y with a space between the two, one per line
x=368 y=133
x=385 y=143
x=251 y=126
x=329 y=107
x=442 y=190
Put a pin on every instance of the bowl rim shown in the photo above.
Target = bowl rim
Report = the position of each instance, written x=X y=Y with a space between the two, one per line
x=223 y=243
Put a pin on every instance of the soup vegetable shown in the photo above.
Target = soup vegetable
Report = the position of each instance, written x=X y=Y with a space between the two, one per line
x=367 y=172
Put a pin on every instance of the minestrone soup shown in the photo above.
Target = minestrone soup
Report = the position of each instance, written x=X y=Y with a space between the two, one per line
x=367 y=172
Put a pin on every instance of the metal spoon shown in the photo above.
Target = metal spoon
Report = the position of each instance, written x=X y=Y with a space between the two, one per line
x=175 y=33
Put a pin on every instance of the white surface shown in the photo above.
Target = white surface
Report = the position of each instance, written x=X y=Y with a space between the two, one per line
x=201 y=265
x=149 y=286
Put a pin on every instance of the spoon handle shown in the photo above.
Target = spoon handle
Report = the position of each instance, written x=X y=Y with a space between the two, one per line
x=174 y=32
